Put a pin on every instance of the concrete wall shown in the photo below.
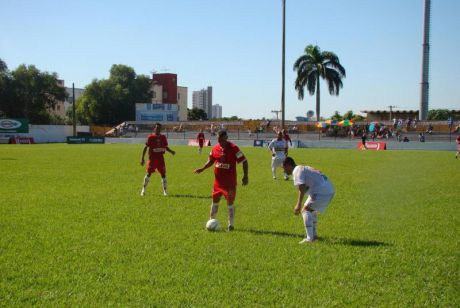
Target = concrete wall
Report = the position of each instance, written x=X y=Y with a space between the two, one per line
x=52 y=133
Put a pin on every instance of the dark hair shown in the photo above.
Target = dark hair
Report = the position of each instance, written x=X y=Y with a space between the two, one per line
x=289 y=161
x=157 y=123
x=222 y=133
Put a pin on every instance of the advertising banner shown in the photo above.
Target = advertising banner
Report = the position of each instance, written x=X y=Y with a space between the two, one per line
x=371 y=145
x=13 y=126
x=194 y=142
x=85 y=139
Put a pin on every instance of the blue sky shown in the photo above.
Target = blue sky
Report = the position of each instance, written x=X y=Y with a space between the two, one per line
x=235 y=47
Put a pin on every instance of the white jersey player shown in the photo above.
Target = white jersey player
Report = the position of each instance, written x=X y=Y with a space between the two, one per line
x=278 y=148
x=320 y=193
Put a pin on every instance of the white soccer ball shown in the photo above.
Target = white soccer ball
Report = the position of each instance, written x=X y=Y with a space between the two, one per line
x=212 y=225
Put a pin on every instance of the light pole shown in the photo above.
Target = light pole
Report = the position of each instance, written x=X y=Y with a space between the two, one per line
x=283 y=66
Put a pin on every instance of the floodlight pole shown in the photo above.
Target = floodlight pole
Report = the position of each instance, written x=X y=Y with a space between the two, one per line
x=73 y=111
x=283 y=66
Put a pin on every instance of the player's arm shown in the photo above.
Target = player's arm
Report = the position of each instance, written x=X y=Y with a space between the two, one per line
x=208 y=164
x=170 y=151
x=302 y=189
x=245 y=179
x=143 y=154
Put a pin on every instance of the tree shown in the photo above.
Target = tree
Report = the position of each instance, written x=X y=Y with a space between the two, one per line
x=349 y=115
x=438 y=115
x=113 y=101
x=196 y=114
x=28 y=93
x=337 y=116
x=313 y=65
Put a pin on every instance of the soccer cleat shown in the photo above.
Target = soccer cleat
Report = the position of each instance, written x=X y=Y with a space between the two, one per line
x=286 y=178
x=230 y=228
x=143 y=192
x=165 y=193
x=274 y=177
x=306 y=240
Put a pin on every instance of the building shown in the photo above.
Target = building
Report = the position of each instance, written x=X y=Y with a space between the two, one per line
x=203 y=100
x=69 y=100
x=216 y=111
x=169 y=102
x=386 y=115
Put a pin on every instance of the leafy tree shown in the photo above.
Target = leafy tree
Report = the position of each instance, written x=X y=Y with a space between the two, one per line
x=313 y=65
x=349 y=115
x=337 y=116
x=196 y=114
x=439 y=115
x=112 y=101
x=27 y=92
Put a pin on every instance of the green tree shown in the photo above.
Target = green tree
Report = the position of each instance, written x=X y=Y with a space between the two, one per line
x=349 y=115
x=30 y=94
x=196 y=114
x=438 y=115
x=313 y=65
x=113 y=101
x=337 y=116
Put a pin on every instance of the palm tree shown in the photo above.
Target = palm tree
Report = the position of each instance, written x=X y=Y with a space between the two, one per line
x=314 y=64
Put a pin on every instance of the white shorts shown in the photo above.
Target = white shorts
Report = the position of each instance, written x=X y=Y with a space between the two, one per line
x=277 y=162
x=320 y=199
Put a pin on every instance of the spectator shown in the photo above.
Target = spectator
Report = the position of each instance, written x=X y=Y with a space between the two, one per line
x=421 y=137
x=406 y=139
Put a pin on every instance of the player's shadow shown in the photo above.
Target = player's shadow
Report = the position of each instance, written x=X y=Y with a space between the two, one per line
x=268 y=232
x=352 y=242
x=189 y=196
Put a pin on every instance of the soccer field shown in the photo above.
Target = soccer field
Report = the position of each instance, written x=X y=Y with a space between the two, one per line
x=74 y=231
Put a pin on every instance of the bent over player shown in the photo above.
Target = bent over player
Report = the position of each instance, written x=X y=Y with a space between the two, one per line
x=157 y=145
x=278 y=148
x=320 y=193
x=225 y=155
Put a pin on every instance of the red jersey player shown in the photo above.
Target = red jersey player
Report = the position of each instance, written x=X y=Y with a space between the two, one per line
x=225 y=155
x=200 y=139
x=157 y=145
x=287 y=139
x=458 y=146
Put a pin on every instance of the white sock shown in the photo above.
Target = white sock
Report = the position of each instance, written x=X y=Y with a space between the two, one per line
x=164 y=182
x=315 y=220
x=146 y=181
x=231 y=214
x=274 y=172
x=214 y=209
x=308 y=223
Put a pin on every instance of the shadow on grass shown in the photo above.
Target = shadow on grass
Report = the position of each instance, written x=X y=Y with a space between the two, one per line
x=189 y=196
x=8 y=158
x=266 y=232
x=352 y=242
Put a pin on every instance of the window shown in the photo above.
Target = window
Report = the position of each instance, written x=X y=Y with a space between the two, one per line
x=165 y=94
x=154 y=94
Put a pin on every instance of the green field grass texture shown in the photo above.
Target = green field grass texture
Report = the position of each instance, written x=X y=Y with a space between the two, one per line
x=74 y=231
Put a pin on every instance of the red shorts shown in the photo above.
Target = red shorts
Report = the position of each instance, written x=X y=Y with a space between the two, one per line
x=156 y=164
x=229 y=194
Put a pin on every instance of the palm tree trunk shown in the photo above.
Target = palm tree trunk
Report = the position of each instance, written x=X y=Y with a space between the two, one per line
x=318 y=117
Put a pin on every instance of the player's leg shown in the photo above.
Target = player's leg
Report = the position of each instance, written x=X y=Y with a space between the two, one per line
x=230 y=196
x=164 y=182
x=274 y=168
x=308 y=222
x=147 y=177
x=216 y=195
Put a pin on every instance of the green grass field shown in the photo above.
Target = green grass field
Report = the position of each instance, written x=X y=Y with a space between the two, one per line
x=74 y=231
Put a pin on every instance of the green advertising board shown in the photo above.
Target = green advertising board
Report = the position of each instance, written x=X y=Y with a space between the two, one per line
x=13 y=126
x=85 y=139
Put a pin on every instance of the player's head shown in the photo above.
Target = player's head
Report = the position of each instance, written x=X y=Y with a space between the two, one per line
x=222 y=137
x=201 y=130
x=280 y=135
x=157 y=128
x=289 y=165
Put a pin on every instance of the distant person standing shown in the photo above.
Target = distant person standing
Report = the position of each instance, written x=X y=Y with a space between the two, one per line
x=288 y=139
x=200 y=139
x=458 y=146
x=363 y=140
x=224 y=156
x=320 y=193
x=278 y=148
x=157 y=144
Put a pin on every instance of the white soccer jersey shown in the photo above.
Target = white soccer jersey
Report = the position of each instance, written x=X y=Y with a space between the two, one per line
x=310 y=177
x=278 y=147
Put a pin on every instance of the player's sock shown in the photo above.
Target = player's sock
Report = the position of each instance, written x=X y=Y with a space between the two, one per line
x=308 y=223
x=274 y=172
x=231 y=215
x=214 y=209
x=286 y=177
x=164 y=182
x=315 y=220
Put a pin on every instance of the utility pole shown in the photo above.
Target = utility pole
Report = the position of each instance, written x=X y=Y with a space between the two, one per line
x=391 y=110
x=283 y=113
x=277 y=112
x=74 y=118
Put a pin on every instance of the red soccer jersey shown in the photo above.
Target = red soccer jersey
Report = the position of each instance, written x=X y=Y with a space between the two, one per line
x=286 y=137
x=200 y=137
x=157 y=145
x=225 y=160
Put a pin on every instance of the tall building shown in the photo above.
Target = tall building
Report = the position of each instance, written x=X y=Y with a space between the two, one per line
x=203 y=100
x=216 y=111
